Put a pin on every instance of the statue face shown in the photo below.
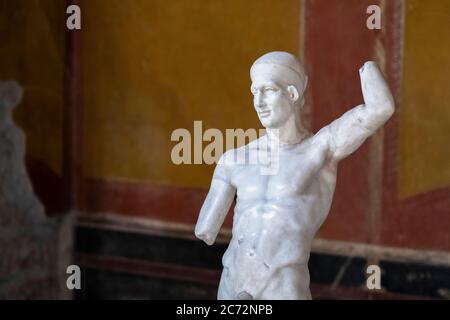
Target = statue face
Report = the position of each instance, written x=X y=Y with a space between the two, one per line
x=272 y=102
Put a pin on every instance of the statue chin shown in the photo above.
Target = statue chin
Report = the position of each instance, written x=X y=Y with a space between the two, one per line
x=268 y=123
x=267 y=126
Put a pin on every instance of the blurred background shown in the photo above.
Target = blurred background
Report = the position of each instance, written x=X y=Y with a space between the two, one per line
x=99 y=106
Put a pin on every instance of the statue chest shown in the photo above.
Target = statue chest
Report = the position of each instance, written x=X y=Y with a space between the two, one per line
x=287 y=175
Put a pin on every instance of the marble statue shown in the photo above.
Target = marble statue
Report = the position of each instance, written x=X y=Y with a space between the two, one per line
x=15 y=186
x=35 y=249
x=276 y=216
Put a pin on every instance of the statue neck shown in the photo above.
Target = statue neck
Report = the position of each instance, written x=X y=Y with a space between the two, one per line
x=292 y=132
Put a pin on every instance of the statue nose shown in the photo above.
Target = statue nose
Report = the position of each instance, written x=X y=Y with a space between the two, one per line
x=259 y=102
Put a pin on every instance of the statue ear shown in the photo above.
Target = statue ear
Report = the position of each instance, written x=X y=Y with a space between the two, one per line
x=293 y=93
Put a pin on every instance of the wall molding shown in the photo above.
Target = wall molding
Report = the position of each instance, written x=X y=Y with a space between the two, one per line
x=118 y=261
x=117 y=222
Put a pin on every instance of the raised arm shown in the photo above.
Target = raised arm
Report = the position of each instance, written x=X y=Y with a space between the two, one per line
x=217 y=203
x=348 y=132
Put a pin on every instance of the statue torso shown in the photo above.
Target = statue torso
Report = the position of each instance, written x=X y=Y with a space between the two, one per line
x=277 y=215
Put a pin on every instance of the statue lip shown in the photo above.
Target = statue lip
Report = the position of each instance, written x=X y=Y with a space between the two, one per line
x=264 y=114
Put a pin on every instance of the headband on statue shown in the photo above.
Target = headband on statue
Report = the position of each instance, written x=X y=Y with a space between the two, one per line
x=283 y=66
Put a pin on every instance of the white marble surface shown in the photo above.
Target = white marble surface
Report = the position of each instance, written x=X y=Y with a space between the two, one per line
x=277 y=215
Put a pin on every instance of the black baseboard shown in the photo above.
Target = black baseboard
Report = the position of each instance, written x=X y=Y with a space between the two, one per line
x=104 y=281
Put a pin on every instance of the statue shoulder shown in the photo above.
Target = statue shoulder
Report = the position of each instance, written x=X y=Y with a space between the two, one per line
x=230 y=157
x=322 y=137
x=234 y=157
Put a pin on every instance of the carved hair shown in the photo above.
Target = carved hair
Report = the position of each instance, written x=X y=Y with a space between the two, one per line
x=285 y=66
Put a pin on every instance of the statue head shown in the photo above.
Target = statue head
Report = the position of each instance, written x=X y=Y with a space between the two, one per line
x=278 y=84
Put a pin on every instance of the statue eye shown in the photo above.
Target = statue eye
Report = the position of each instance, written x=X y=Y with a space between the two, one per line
x=269 y=89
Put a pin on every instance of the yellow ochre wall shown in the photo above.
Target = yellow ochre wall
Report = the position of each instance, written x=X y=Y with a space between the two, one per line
x=153 y=66
x=425 y=106
x=32 y=52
